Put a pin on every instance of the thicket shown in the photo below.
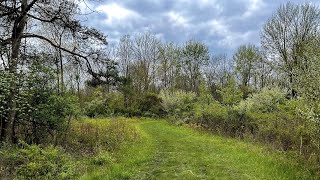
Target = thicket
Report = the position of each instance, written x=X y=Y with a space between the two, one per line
x=44 y=88
x=89 y=144
x=266 y=116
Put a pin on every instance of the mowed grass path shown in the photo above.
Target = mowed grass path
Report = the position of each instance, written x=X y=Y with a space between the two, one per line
x=170 y=152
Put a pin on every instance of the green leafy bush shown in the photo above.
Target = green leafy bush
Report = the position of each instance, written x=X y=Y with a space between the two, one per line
x=34 y=162
x=151 y=105
x=212 y=116
x=41 y=114
x=269 y=117
x=230 y=94
x=178 y=104
x=95 y=105
x=102 y=158
x=268 y=100
x=90 y=136
x=115 y=103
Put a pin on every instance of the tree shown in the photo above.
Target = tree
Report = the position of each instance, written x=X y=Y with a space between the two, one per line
x=286 y=35
x=169 y=56
x=217 y=73
x=125 y=55
x=246 y=59
x=230 y=93
x=14 y=18
x=194 y=56
x=146 y=59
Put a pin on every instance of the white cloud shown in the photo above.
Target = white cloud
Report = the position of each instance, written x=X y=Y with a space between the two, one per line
x=218 y=27
x=236 y=39
x=177 y=19
x=116 y=13
x=229 y=39
x=253 y=6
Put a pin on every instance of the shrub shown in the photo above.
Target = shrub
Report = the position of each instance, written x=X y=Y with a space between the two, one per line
x=212 y=116
x=48 y=118
x=90 y=136
x=151 y=105
x=178 y=103
x=230 y=94
x=115 y=103
x=34 y=162
x=95 y=107
x=102 y=158
x=271 y=118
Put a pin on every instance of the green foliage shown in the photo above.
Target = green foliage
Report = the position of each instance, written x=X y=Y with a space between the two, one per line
x=90 y=136
x=115 y=103
x=96 y=105
x=5 y=80
x=178 y=103
x=34 y=162
x=213 y=116
x=205 y=95
x=102 y=158
x=268 y=100
x=40 y=111
x=194 y=55
x=246 y=59
x=151 y=105
x=271 y=118
x=55 y=111
x=230 y=93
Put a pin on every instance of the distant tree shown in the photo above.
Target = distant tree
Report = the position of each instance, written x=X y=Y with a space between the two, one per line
x=146 y=59
x=216 y=74
x=125 y=55
x=286 y=35
x=169 y=56
x=194 y=56
x=231 y=94
x=246 y=59
x=107 y=75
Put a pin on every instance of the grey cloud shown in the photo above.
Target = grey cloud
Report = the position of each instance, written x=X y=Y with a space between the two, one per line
x=221 y=24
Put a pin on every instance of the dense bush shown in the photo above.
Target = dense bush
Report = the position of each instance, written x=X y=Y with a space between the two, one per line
x=271 y=118
x=55 y=115
x=40 y=111
x=113 y=104
x=91 y=136
x=96 y=105
x=34 y=162
x=230 y=94
x=151 y=105
x=267 y=116
x=178 y=104
x=104 y=104
x=213 y=116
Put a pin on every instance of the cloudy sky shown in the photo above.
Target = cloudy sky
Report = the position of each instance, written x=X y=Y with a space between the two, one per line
x=221 y=24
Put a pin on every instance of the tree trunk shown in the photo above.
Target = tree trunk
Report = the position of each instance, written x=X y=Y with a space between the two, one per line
x=61 y=70
x=19 y=26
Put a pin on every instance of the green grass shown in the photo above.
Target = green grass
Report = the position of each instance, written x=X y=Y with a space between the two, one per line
x=170 y=152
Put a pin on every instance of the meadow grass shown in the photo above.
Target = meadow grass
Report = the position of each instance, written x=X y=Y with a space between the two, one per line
x=165 y=151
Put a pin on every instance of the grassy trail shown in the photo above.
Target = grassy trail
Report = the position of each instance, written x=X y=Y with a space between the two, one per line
x=170 y=152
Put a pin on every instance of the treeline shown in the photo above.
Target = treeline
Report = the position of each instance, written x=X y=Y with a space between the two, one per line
x=267 y=93
x=54 y=69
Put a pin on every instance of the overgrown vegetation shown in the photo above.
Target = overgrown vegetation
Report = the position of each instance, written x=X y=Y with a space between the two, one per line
x=89 y=144
x=50 y=85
